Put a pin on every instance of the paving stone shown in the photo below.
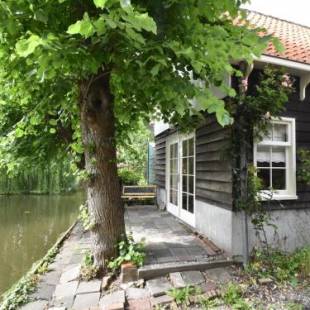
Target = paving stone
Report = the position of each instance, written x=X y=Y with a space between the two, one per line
x=137 y=293
x=197 y=250
x=76 y=259
x=71 y=274
x=208 y=286
x=89 y=287
x=180 y=254
x=63 y=301
x=57 y=308
x=67 y=289
x=161 y=301
x=139 y=304
x=51 y=278
x=193 y=277
x=36 y=305
x=84 y=301
x=158 y=286
x=220 y=275
x=177 y=280
x=115 y=298
x=44 y=291
x=162 y=253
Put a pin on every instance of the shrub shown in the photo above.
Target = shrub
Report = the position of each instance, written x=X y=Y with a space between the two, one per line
x=88 y=269
x=130 y=177
x=129 y=251
x=280 y=266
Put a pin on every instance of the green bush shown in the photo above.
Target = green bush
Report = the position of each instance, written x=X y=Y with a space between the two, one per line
x=130 y=177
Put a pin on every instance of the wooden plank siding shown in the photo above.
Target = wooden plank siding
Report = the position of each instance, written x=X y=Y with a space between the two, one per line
x=213 y=165
x=301 y=112
x=160 y=159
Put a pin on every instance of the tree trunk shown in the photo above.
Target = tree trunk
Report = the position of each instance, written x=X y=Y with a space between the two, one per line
x=103 y=192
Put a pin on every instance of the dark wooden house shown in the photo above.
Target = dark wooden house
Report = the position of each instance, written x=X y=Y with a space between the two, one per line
x=194 y=172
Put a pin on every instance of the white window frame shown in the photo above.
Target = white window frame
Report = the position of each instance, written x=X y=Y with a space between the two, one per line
x=290 y=192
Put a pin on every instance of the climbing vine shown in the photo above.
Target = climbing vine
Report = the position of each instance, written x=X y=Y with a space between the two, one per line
x=304 y=170
x=258 y=102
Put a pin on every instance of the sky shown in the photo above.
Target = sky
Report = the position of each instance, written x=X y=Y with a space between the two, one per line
x=297 y=11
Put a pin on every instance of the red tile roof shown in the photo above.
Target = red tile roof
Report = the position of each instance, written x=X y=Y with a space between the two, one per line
x=295 y=38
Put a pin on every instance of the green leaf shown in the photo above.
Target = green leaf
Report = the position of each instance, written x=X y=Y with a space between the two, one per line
x=223 y=117
x=100 y=25
x=278 y=45
x=25 y=47
x=135 y=35
x=141 y=21
x=19 y=132
x=53 y=122
x=155 y=69
x=83 y=27
x=52 y=130
x=100 y=3
x=35 y=120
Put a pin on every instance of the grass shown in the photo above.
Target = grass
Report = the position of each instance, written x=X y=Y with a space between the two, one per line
x=182 y=295
x=232 y=296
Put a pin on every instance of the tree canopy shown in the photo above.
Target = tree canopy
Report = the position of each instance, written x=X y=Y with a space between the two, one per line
x=151 y=49
x=77 y=76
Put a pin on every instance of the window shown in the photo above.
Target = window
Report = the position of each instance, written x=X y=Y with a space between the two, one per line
x=275 y=160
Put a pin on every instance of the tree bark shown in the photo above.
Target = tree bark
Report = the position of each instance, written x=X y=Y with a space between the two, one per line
x=103 y=191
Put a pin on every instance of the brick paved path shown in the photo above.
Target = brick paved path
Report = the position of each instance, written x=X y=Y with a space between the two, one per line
x=167 y=241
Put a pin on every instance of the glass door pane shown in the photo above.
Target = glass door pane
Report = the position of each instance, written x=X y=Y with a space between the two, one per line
x=188 y=177
x=174 y=173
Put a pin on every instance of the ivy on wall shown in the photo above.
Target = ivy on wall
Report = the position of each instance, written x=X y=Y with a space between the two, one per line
x=252 y=110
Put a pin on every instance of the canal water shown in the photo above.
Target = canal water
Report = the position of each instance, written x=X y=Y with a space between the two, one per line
x=29 y=226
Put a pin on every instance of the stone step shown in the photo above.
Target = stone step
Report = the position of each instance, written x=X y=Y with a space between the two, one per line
x=159 y=270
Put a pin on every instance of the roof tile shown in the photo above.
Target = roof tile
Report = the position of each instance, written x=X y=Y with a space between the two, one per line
x=295 y=38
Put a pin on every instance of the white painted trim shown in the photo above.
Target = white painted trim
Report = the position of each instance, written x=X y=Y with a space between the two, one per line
x=290 y=192
x=186 y=216
x=171 y=207
x=284 y=63
x=304 y=82
x=177 y=211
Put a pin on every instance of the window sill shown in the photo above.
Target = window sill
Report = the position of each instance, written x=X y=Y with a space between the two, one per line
x=269 y=196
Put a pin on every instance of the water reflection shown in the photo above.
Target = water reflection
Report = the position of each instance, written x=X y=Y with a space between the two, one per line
x=29 y=226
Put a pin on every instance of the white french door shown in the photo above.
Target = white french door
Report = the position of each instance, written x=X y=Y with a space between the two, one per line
x=180 y=182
